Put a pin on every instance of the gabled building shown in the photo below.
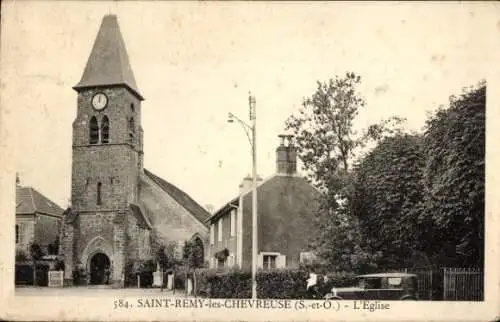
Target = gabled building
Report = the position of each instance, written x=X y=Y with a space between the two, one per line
x=119 y=210
x=286 y=203
x=38 y=220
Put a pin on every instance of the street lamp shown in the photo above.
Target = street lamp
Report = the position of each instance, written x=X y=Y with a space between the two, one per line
x=250 y=131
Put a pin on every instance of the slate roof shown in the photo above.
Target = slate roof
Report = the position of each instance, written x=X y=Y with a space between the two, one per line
x=29 y=201
x=108 y=63
x=276 y=179
x=181 y=197
x=142 y=220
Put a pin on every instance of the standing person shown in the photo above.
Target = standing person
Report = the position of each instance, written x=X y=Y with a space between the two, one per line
x=312 y=286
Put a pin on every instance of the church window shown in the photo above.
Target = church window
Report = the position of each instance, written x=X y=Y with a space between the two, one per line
x=94 y=131
x=132 y=108
x=212 y=234
x=99 y=196
x=131 y=124
x=105 y=129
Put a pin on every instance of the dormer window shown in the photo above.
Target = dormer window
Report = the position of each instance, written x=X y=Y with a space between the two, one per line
x=94 y=131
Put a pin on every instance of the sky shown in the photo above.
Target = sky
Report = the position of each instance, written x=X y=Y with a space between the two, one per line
x=194 y=62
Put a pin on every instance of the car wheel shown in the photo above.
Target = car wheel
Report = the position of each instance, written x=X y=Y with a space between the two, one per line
x=409 y=299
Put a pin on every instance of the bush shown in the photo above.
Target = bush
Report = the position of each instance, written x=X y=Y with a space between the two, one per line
x=282 y=284
x=141 y=268
x=79 y=277
x=272 y=284
x=24 y=274
x=231 y=284
x=21 y=256
x=59 y=265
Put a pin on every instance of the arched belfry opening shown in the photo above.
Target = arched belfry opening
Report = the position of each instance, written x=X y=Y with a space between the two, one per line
x=94 y=131
x=105 y=130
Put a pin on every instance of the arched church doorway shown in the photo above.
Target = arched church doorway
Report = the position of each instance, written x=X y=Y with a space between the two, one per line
x=100 y=272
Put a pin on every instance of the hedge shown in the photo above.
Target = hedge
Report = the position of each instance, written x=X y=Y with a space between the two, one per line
x=275 y=284
x=24 y=274
x=229 y=284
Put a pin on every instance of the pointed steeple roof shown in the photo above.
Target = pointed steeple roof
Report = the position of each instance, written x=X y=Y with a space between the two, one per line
x=108 y=63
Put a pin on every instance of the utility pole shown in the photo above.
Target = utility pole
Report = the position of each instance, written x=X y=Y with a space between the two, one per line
x=252 y=138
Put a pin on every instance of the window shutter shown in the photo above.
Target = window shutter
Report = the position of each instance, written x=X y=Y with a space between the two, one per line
x=219 y=232
x=233 y=222
x=260 y=261
x=281 y=261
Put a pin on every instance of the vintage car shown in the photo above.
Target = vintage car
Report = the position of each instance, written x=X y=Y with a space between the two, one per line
x=383 y=286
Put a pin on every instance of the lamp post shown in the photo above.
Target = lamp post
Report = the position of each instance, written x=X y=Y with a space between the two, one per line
x=251 y=132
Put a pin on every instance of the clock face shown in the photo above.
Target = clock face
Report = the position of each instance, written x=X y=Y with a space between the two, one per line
x=99 y=101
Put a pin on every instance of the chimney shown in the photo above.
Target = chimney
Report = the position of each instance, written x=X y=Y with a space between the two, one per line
x=18 y=181
x=286 y=155
x=246 y=184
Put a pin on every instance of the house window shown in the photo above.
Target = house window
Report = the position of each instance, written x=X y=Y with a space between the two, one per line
x=233 y=222
x=212 y=234
x=94 y=131
x=307 y=257
x=99 y=197
x=105 y=129
x=17 y=234
x=219 y=230
x=269 y=261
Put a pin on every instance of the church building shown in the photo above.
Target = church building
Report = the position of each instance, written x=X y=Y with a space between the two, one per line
x=119 y=210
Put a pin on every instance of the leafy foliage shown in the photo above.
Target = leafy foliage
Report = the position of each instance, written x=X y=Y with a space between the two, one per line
x=324 y=130
x=387 y=188
x=36 y=252
x=21 y=256
x=327 y=145
x=411 y=198
x=53 y=248
x=453 y=177
x=193 y=254
x=271 y=284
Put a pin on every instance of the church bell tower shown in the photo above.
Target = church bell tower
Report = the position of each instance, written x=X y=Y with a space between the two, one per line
x=107 y=132
x=107 y=160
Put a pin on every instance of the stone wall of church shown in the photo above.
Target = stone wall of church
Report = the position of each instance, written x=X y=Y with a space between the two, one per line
x=171 y=221
x=93 y=225
x=119 y=108
x=114 y=167
x=139 y=241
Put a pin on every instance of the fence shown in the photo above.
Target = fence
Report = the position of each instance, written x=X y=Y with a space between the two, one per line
x=449 y=284
x=463 y=284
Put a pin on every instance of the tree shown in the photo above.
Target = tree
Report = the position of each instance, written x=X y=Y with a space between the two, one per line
x=387 y=189
x=324 y=131
x=53 y=248
x=327 y=144
x=452 y=209
x=193 y=255
x=36 y=254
